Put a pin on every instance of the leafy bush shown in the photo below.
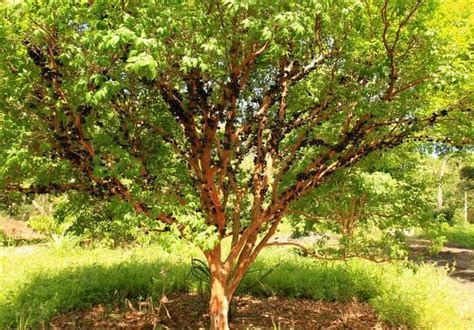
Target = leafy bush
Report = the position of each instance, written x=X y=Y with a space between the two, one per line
x=445 y=215
x=437 y=242
x=57 y=232
x=44 y=224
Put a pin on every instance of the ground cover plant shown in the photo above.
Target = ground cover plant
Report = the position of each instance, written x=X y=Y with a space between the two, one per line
x=211 y=119
x=38 y=286
x=35 y=287
x=460 y=235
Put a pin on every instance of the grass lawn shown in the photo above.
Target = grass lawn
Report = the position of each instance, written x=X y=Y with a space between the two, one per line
x=460 y=235
x=36 y=286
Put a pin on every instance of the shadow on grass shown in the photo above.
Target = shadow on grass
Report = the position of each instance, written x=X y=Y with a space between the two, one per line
x=49 y=293
x=16 y=242
x=400 y=295
x=324 y=281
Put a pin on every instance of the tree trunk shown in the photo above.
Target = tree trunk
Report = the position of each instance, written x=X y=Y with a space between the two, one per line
x=442 y=170
x=439 y=205
x=466 y=218
x=219 y=304
x=221 y=296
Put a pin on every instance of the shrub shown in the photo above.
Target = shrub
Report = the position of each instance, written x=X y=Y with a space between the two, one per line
x=445 y=215
x=43 y=224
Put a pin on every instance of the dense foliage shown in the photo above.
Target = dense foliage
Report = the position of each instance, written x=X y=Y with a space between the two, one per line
x=212 y=118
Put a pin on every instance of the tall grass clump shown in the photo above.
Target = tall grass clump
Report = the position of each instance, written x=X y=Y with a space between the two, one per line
x=35 y=287
x=3 y=238
x=461 y=235
x=415 y=296
x=421 y=297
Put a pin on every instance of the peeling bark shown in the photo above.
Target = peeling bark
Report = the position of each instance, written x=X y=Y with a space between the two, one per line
x=219 y=304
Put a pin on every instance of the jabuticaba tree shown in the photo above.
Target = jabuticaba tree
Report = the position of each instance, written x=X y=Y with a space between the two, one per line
x=211 y=117
x=384 y=194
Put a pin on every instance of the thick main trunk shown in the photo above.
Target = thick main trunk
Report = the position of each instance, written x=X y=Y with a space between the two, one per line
x=227 y=275
x=219 y=304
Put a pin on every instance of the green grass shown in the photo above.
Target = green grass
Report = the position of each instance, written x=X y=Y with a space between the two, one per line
x=35 y=287
x=460 y=235
x=422 y=296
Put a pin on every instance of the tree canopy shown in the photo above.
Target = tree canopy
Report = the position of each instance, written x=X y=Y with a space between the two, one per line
x=213 y=117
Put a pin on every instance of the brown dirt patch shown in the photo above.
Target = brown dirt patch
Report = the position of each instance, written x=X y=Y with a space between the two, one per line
x=18 y=230
x=187 y=311
x=459 y=259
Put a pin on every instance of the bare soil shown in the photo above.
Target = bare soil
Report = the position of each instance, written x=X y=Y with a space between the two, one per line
x=189 y=311
x=460 y=260
x=18 y=230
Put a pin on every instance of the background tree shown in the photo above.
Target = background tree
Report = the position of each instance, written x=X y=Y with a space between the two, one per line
x=467 y=186
x=366 y=208
x=448 y=180
x=212 y=117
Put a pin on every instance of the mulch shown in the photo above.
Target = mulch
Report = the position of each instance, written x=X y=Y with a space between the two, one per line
x=189 y=311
